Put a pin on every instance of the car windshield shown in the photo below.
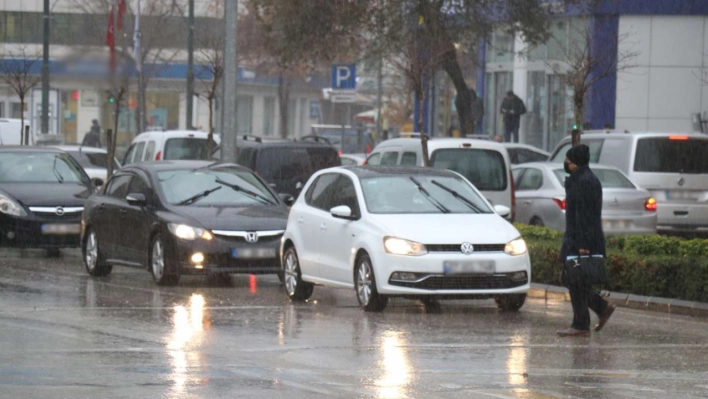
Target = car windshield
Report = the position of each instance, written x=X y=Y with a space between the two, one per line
x=609 y=178
x=92 y=160
x=401 y=195
x=186 y=148
x=484 y=168
x=39 y=167
x=678 y=154
x=225 y=187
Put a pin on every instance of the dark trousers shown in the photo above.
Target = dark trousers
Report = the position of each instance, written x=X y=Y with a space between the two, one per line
x=583 y=297
x=511 y=132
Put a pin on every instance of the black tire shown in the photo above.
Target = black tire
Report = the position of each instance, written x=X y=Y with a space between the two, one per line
x=295 y=288
x=510 y=302
x=365 y=285
x=536 y=221
x=160 y=268
x=94 y=261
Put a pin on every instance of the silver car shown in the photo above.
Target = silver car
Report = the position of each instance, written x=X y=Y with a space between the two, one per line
x=540 y=199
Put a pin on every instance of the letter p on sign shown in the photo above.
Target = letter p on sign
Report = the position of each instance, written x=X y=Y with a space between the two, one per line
x=344 y=77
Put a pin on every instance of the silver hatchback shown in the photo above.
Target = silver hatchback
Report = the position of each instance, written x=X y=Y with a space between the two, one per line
x=540 y=199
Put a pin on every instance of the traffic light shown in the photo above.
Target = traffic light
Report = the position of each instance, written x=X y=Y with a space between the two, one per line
x=575 y=127
x=111 y=99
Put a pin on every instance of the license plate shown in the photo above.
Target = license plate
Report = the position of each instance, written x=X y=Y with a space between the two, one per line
x=474 y=267
x=253 y=253
x=682 y=195
x=61 y=229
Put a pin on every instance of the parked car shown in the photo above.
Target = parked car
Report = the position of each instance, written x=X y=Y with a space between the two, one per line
x=42 y=194
x=11 y=131
x=169 y=145
x=347 y=141
x=484 y=163
x=524 y=153
x=184 y=217
x=352 y=159
x=673 y=167
x=418 y=233
x=93 y=160
x=540 y=199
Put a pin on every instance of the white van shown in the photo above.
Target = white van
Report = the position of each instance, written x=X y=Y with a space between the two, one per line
x=169 y=145
x=673 y=167
x=484 y=163
x=10 y=131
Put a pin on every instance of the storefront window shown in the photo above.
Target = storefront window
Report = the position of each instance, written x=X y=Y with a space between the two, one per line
x=497 y=84
x=561 y=111
x=162 y=110
x=244 y=114
x=500 y=48
x=68 y=116
x=537 y=108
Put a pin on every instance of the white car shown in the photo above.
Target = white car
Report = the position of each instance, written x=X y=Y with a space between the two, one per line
x=352 y=159
x=92 y=159
x=169 y=145
x=419 y=233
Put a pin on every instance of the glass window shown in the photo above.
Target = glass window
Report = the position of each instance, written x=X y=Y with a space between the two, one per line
x=595 y=149
x=244 y=114
x=537 y=108
x=374 y=159
x=245 y=157
x=40 y=167
x=186 y=149
x=399 y=195
x=288 y=163
x=671 y=155
x=139 y=152
x=348 y=162
x=523 y=156
x=517 y=174
x=389 y=158
x=292 y=109
x=88 y=160
x=334 y=190
x=483 y=168
x=128 y=158
x=269 y=116
x=118 y=186
x=140 y=186
x=16 y=109
x=149 y=151
x=609 y=178
x=318 y=195
x=531 y=180
x=408 y=158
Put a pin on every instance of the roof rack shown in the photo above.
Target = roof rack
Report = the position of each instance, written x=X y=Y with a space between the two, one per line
x=315 y=138
x=248 y=137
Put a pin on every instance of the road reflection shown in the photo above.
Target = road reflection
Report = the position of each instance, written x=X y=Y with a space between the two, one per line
x=183 y=345
x=516 y=361
x=395 y=366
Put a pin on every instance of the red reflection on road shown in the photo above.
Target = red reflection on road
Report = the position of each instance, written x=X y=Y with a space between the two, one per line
x=252 y=284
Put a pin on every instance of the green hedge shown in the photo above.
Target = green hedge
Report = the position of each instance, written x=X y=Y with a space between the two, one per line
x=651 y=265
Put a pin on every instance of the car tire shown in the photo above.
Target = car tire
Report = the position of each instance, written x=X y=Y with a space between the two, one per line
x=295 y=288
x=159 y=267
x=365 y=285
x=510 y=302
x=94 y=261
x=536 y=221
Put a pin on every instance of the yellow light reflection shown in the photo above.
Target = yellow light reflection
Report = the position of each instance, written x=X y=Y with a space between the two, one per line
x=183 y=344
x=516 y=362
x=396 y=369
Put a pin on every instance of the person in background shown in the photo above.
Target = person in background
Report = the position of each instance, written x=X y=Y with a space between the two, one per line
x=499 y=138
x=512 y=108
x=477 y=110
x=93 y=137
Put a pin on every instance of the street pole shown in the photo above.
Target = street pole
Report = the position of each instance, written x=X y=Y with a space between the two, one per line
x=45 y=71
x=228 y=128
x=190 y=67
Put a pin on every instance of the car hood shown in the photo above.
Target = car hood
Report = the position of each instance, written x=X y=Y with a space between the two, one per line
x=246 y=218
x=449 y=229
x=48 y=194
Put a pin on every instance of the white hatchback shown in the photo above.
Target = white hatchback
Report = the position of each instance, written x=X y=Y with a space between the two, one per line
x=419 y=233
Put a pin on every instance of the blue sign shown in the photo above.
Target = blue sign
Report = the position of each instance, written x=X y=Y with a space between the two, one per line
x=344 y=77
x=314 y=109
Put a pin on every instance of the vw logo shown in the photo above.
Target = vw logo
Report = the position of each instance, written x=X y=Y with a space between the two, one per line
x=681 y=181
x=59 y=211
x=252 y=236
x=467 y=248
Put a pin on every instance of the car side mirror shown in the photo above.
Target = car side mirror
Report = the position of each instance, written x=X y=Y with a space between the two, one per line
x=288 y=199
x=342 y=212
x=97 y=181
x=502 y=211
x=136 y=199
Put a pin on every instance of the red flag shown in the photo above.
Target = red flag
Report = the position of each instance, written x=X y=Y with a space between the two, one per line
x=121 y=11
x=111 y=40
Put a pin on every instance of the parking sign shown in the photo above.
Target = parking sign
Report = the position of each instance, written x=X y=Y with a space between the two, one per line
x=344 y=77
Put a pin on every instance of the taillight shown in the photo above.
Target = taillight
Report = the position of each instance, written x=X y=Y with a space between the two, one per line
x=650 y=204
x=560 y=202
x=340 y=153
x=513 y=196
x=158 y=156
x=677 y=137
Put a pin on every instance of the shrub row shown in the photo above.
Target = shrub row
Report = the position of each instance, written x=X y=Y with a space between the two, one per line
x=651 y=265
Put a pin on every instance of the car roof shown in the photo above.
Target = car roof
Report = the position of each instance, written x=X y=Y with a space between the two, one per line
x=527 y=146
x=159 y=166
x=443 y=142
x=80 y=148
x=632 y=135
x=378 y=171
x=557 y=165
x=170 y=134
x=24 y=148
x=284 y=143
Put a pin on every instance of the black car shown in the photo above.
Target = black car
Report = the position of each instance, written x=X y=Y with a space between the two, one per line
x=184 y=217
x=286 y=165
x=42 y=195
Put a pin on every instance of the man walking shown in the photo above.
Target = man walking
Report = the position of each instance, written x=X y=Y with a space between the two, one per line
x=477 y=110
x=512 y=108
x=93 y=137
x=583 y=236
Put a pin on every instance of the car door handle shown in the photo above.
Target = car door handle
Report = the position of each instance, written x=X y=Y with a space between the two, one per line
x=323 y=227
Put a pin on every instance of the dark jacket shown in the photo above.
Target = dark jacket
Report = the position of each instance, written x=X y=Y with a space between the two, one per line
x=91 y=139
x=512 y=104
x=583 y=214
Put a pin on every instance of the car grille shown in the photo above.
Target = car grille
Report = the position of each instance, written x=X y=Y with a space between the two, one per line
x=457 y=247
x=261 y=240
x=49 y=213
x=469 y=282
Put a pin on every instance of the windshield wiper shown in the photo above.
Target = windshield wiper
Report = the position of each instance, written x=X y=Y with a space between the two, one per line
x=250 y=193
x=460 y=197
x=432 y=200
x=198 y=196
x=56 y=171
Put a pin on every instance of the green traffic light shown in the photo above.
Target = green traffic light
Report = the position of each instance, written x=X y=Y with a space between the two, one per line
x=574 y=126
x=111 y=100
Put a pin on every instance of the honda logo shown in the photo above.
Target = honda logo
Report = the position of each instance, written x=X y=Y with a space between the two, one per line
x=251 y=236
x=467 y=248
x=59 y=211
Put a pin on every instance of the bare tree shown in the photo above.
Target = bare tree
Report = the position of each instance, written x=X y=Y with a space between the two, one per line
x=210 y=72
x=583 y=63
x=16 y=72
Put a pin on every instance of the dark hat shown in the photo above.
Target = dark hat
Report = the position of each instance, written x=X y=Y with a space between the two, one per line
x=579 y=155
x=509 y=93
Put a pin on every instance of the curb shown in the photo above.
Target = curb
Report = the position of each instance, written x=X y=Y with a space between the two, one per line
x=656 y=304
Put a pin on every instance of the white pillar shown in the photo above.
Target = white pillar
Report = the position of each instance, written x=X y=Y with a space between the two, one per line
x=258 y=114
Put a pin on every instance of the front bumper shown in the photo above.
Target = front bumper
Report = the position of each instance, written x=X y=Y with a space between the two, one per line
x=431 y=278
x=28 y=231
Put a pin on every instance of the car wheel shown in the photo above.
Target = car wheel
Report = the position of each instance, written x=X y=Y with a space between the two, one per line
x=365 y=285
x=158 y=264
x=93 y=258
x=295 y=288
x=510 y=302
x=536 y=221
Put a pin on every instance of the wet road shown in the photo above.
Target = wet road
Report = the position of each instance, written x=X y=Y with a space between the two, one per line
x=66 y=335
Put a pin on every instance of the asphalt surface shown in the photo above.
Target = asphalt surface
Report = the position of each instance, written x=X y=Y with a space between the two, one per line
x=64 y=334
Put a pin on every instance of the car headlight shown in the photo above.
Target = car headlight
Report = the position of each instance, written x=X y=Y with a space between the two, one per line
x=189 y=233
x=516 y=247
x=399 y=246
x=8 y=206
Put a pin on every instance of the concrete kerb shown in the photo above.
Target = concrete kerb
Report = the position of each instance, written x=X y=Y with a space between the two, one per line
x=657 y=304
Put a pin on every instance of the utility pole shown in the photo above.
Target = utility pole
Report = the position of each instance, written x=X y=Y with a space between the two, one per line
x=190 y=67
x=228 y=128
x=379 y=102
x=45 y=71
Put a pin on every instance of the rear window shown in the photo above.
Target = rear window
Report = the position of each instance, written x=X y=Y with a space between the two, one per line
x=595 y=149
x=290 y=163
x=664 y=155
x=609 y=178
x=186 y=148
x=483 y=168
x=92 y=160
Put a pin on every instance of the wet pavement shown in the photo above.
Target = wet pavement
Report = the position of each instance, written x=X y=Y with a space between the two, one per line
x=64 y=334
